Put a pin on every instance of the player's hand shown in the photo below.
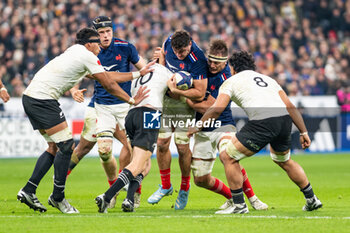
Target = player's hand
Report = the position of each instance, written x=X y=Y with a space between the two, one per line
x=78 y=95
x=141 y=94
x=4 y=95
x=157 y=53
x=172 y=84
x=191 y=131
x=305 y=141
x=147 y=69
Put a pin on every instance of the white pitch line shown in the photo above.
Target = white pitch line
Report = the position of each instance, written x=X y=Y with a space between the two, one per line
x=170 y=216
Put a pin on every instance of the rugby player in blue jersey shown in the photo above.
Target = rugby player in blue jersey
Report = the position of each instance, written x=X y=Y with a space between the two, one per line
x=210 y=140
x=110 y=112
x=179 y=53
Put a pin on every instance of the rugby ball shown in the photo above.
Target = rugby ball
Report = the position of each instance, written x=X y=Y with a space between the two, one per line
x=183 y=80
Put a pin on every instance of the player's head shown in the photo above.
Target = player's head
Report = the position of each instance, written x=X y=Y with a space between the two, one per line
x=104 y=27
x=89 y=38
x=217 y=57
x=181 y=44
x=240 y=61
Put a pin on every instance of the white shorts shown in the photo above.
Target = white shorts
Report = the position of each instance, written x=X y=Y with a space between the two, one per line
x=108 y=116
x=175 y=111
x=89 y=130
x=205 y=148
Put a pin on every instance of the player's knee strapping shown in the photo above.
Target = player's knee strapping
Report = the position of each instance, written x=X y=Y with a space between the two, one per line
x=181 y=138
x=201 y=167
x=280 y=158
x=64 y=142
x=233 y=152
x=105 y=142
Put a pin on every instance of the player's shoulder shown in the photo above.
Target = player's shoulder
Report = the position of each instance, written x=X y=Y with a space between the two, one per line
x=197 y=53
x=79 y=51
x=117 y=42
x=167 y=43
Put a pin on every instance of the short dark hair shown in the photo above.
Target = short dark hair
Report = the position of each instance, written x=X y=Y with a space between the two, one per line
x=242 y=60
x=218 y=46
x=84 y=35
x=180 y=39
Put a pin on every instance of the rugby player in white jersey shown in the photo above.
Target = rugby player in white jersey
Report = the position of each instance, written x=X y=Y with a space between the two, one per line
x=40 y=102
x=206 y=142
x=270 y=115
x=142 y=126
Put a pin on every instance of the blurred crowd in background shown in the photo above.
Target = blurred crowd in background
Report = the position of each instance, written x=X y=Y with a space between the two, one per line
x=304 y=45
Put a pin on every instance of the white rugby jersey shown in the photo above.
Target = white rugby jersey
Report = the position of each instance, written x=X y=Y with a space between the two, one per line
x=156 y=81
x=63 y=72
x=256 y=94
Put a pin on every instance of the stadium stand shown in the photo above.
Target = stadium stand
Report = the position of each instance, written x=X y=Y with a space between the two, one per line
x=305 y=45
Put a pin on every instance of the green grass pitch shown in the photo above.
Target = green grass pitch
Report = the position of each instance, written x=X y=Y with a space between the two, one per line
x=329 y=175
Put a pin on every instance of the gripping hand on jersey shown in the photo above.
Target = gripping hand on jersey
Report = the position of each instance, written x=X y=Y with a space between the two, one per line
x=147 y=69
x=141 y=95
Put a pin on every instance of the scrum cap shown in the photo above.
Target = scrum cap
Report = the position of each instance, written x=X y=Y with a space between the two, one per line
x=102 y=22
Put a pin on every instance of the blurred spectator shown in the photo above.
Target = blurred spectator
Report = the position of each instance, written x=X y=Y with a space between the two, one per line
x=343 y=96
x=304 y=45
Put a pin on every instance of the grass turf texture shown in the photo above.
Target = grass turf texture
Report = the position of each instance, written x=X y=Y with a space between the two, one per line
x=329 y=175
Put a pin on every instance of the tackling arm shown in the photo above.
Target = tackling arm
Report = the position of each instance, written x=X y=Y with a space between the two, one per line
x=213 y=112
x=297 y=120
x=201 y=106
x=114 y=89
x=121 y=77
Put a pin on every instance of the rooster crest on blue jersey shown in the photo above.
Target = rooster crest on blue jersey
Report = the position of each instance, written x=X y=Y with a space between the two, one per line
x=183 y=80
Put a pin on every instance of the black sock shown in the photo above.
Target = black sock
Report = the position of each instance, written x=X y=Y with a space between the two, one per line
x=123 y=179
x=307 y=191
x=133 y=186
x=237 y=196
x=61 y=164
x=42 y=165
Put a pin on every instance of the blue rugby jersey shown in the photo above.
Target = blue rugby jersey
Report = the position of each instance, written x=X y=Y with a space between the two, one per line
x=214 y=83
x=195 y=63
x=117 y=57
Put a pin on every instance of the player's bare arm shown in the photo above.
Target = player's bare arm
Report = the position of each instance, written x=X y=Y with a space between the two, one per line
x=213 y=112
x=196 y=93
x=120 y=77
x=113 y=88
x=201 y=106
x=297 y=120
x=4 y=95
x=141 y=63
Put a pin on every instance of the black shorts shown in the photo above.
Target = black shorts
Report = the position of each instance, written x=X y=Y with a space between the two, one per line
x=139 y=135
x=256 y=134
x=43 y=114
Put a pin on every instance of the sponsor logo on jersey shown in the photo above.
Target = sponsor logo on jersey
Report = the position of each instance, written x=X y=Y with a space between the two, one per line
x=61 y=114
x=212 y=87
x=118 y=57
x=151 y=120
x=98 y=62
x=182 y=66
x=108 y=68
